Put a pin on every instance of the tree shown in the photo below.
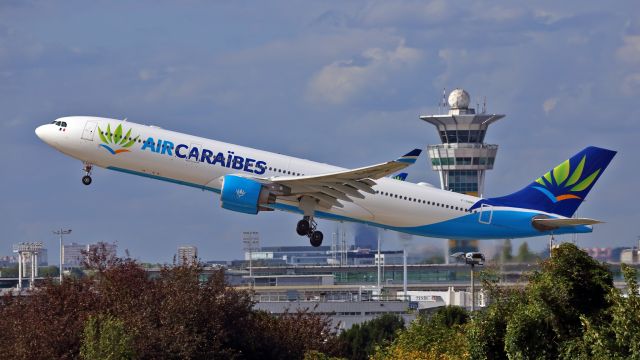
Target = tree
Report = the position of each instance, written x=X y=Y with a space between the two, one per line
x=440 y=336
x=618 y=338
x=571 y=284
x=360 y=341
x=530 y=334
x=105 y=338
x=118 y=309
x=524 y=254
x=486 y=331
x=507 y=250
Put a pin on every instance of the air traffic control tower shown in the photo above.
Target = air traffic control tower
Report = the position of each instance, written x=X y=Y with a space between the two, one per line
x=462 y=158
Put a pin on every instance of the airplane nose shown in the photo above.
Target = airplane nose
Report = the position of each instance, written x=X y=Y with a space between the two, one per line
x=44 y=133
x=40 y=132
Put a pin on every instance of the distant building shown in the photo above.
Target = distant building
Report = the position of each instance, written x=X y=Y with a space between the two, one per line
x=321 y=255
x=366 y=237
x=629 y=256
x=43 y=257
x=110 y=248
x=72 y=254
x=187 y=254
x=601 y=254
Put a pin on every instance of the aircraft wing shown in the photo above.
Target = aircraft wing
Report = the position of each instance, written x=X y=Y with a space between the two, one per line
x=558 y=223
x=343 y=185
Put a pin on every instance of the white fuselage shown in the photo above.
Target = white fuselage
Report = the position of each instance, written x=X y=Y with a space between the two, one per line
x=170 y=156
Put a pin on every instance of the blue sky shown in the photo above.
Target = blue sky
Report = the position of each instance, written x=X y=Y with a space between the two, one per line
x=332 y=81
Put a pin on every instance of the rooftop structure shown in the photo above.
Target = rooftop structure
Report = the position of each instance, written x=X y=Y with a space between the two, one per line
x=462 y=158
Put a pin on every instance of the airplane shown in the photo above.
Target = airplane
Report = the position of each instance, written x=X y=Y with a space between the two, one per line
x=250 y=181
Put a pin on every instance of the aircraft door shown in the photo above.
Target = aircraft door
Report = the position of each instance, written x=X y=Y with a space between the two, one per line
x=486 y=214
x=89 y=130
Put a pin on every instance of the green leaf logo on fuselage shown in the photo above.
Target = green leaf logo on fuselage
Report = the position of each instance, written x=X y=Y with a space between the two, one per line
x=116 y=139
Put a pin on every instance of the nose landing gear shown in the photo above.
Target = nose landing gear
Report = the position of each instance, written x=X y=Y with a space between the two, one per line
x=86 y=179
x=307 y=227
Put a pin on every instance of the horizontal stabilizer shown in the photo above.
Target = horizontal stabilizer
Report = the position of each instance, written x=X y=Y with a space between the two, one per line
x=550 y=224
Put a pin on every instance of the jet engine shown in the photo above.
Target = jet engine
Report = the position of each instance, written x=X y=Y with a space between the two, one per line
x=245 y=195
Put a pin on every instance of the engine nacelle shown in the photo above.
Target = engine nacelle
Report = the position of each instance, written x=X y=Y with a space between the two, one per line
x=245 y=195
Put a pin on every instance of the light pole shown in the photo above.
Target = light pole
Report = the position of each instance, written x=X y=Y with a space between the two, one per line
x=472 y=259
x=60 y=233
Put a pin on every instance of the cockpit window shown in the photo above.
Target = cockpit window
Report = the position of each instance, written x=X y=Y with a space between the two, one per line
x=53 y=122
x=63 y=124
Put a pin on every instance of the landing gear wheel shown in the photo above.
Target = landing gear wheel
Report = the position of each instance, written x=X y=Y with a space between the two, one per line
x=303 y=227
x=86 y=167
x=316 y=238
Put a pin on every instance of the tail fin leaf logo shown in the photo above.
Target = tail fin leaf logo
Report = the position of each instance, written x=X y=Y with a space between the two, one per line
x=115 y=142
x=559 y=183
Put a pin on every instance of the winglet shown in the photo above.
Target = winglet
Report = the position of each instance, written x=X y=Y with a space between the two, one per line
x=410 y=157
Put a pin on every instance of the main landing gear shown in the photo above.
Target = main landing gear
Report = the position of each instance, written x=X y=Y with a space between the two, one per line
x=86 y=179
x=307 y=227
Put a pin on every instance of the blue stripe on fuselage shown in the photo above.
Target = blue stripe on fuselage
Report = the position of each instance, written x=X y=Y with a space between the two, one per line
x=505 y=224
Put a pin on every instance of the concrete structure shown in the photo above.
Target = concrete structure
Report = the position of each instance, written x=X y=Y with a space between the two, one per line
x=344 y=314
x=73 y=254
x=434 y=298
x=27 y=255
x=462 y=158
x=321 y=255
x=187 y=254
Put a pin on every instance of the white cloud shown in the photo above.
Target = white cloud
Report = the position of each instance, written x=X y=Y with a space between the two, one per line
x=387 y=13
x=631 y=84
x=549 y=104
x=342 y=81
x=630 y=51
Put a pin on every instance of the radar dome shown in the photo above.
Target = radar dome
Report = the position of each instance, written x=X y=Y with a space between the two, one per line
x=459 y=99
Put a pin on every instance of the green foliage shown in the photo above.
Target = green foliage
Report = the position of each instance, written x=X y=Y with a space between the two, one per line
x=48 y=271
x=571 y=284
x=450 y=316
x=486 y=331
x=524 y=254
x=569 y=310
x=530 y=334
x=618 y=338
x=361 y=340
x=10 y=271
x=105 y=338
x=440 y=336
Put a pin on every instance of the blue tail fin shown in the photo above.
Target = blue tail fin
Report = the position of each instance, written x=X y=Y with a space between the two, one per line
x=561 y=190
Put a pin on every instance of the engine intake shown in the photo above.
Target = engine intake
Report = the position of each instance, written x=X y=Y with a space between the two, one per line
x=245 y=195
